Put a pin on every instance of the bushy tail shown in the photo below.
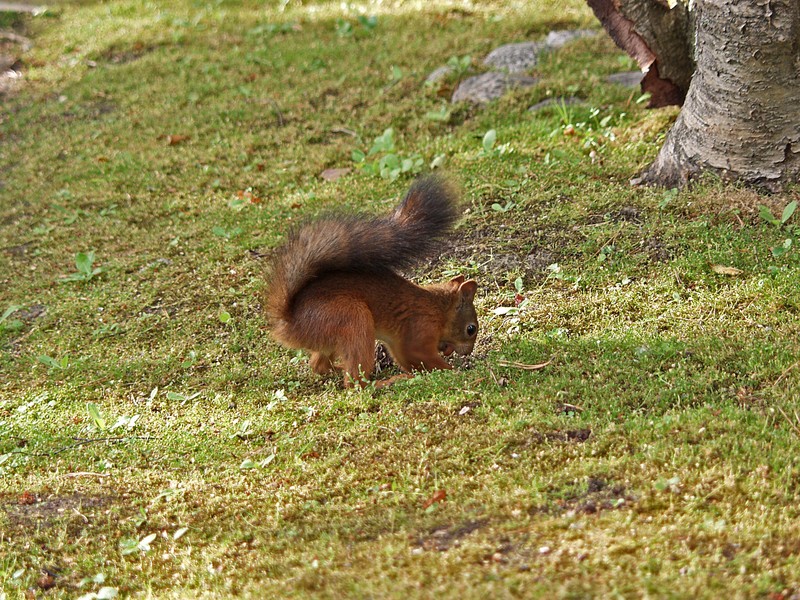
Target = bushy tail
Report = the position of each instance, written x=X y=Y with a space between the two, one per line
x=362 y=244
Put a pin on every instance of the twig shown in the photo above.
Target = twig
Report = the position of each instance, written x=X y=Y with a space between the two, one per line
x=345 y=131
x=785 y=373
x=792 y=424
x=278 y=113
x=608 y=242
x=523 y=366
x=83 y=442
x=81 y=515
x=86 y=474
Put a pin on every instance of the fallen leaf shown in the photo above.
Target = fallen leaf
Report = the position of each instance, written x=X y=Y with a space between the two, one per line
x=46 y=581
x=248 y=195
x=438 y=496
x=525 y=367
x=27 y=498
x=723 y=270
x=334 y=174
x=174 y=140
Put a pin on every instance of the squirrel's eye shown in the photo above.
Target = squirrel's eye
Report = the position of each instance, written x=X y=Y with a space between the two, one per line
x=471 y=329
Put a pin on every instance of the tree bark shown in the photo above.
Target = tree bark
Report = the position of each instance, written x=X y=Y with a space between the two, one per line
x=741 y=117
x=658 y=38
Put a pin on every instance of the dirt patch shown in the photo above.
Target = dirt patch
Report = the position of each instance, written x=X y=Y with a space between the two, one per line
x=157 y=307
x=30 y=511
x=656 y=250
x=629 y=214
x=20 y=251
x=569 y=435
x=585 y=497
x=500 y=249
x=121 y=56
x=34 y=311
x=442 y=538
x=536 y=438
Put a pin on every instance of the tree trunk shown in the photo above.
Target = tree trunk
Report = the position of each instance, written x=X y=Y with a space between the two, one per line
x=741 y=117
x=658 y=38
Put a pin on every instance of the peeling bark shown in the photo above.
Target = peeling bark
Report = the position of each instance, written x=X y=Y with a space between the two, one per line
x=658 y=38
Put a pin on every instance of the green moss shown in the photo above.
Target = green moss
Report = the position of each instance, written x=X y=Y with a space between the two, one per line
x=655 y=455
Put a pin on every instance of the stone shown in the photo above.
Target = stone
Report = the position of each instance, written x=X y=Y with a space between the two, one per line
x=489 y=86
x=438 y=74
x=568 y=101
x=561 y=37
x=515 y=58
x=629 y=79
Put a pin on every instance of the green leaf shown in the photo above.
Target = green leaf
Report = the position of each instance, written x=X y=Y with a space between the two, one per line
x=383 y=143
x=489 y=140
x=788 y=211
x=368 y=23
x=390 y=161
x=779 y=251
x=224 y=316
x=94 y=413
x=144 y=543
x=766 y=214
x=128 y=546
x=237 y=204
x=358 y=156
x=83 y=261
x=438 y=115
x=11 y=309
x=53 y=363
x=438 y=161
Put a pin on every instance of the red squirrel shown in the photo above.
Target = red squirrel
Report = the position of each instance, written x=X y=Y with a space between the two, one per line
x=334 y=288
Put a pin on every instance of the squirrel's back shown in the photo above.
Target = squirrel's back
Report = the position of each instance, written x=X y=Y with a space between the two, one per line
x=360 y=244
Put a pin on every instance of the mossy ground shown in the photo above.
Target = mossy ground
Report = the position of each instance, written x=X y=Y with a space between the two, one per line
x=656 y=455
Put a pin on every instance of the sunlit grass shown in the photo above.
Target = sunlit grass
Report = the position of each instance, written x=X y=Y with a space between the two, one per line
x=654 y=455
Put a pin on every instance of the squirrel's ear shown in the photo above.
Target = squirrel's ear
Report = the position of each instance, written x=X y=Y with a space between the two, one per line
x=459 y=279
x=467 y=290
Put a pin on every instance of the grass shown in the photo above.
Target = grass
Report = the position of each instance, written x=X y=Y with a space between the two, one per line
x=656 y=455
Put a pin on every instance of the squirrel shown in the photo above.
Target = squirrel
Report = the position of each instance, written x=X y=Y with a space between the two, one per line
x=334 y=288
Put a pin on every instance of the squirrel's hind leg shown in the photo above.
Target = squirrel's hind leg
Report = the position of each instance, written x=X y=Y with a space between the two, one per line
x=357 y=346
x=321 y=363
x=337 y=328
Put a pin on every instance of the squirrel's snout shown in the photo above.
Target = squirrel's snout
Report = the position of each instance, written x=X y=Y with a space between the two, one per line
x=446 y=348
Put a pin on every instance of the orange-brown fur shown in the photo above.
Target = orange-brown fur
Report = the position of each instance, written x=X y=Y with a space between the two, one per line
x=333 y=289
